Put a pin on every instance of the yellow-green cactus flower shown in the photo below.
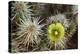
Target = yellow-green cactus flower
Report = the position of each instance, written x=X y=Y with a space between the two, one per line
x=56 y=32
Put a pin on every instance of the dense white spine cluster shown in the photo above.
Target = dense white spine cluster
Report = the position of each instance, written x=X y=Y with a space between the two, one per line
x=29 y=31
x=21 y=8
x=61 y=18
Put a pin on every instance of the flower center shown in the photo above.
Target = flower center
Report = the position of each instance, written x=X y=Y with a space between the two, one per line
x=56 y=32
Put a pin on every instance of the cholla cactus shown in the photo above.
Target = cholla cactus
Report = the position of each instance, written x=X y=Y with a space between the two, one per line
x=28 y=27
x=29 y=32
x=21 y=9
x=57 y=27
